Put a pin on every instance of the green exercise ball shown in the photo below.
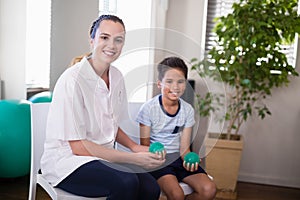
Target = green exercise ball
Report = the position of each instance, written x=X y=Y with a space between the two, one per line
x=156 y=147
x=192 y=158
x=41 y=97
x=14 y=138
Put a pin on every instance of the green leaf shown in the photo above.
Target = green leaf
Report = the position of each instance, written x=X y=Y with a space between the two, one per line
x=249 y=42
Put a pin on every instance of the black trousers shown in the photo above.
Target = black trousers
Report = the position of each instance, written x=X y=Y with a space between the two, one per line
x=116 y=181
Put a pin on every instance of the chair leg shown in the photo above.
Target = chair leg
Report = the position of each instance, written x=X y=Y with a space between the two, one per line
x=32 y=191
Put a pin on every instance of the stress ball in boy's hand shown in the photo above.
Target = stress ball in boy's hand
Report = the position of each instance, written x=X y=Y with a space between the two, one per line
x=156 y=147
x=191 y=158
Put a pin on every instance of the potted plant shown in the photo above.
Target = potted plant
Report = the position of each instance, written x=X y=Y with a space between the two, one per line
x=248 y=59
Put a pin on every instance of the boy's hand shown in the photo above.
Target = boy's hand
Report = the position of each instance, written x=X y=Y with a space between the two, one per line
x=191 y=161
x=190 y=167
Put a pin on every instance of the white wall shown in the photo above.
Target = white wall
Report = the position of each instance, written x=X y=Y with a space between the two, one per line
x=12 y=48
x=271 y=152
x=71 y=21
x=70 y=25
x=182 y=30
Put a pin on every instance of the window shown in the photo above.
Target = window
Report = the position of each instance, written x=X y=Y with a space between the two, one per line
x=218 y=8
x=38 y=43
x=136 y=55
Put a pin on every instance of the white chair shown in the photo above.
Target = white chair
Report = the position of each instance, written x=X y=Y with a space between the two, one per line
x=39 y=113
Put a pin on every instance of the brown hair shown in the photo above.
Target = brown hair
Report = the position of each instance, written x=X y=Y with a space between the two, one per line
x=97 y=22
x=171 y=63
x=78 y=58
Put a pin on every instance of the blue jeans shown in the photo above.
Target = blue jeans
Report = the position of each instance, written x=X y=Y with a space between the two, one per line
x=116 y=181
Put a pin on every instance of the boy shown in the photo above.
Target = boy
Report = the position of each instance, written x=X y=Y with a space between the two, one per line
x=168 y=119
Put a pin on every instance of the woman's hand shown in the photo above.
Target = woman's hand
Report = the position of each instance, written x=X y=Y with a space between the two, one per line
x=139 y=148
x=142 y=148
x=148 y=160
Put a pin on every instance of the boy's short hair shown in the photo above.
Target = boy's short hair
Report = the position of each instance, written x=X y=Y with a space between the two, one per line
x=171 y=63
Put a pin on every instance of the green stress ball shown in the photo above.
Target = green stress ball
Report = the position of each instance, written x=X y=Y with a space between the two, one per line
x=191 y=158
x=156 y=147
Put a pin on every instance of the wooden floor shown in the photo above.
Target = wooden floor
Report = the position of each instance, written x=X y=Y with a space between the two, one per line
x=17 y=189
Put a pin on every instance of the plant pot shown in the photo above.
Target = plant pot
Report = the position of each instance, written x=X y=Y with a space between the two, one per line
x=223 y=163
